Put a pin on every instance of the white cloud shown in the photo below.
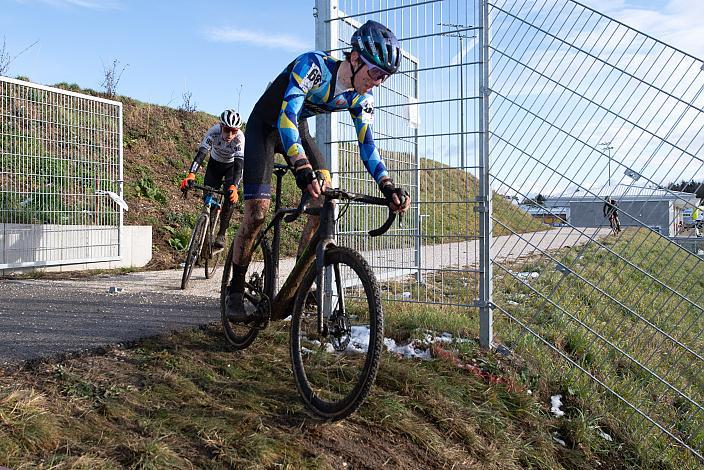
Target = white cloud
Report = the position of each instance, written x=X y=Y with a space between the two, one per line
x=90 y=4
x=679 y=23
x=272 y=41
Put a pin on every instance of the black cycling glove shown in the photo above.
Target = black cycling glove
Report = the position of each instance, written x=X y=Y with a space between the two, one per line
x=304 y=176
x=388 y=189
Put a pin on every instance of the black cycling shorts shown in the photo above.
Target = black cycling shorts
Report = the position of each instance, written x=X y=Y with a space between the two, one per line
x=221 y=175
x=262 y=141
x=218 y=174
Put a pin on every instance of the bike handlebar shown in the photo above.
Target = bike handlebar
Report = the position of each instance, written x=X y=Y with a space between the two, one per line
x=293 y=214
x=205 y=189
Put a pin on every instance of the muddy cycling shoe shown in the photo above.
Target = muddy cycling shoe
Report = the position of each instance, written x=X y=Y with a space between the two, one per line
x=219 y=242
x=235 y=308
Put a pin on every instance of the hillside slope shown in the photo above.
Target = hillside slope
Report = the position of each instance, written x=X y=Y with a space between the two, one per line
x=159 y=143
x=187 y=401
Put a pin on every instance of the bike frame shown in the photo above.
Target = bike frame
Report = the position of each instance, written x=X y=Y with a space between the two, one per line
x=206 y=209
x=322 y=238
x=284 y=298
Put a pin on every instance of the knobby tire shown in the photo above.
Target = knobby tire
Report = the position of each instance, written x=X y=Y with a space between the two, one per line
x=241 y=335
x=338 y=407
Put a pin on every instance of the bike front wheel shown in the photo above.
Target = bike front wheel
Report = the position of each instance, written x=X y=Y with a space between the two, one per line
x=194 y=249
x=335 y=369
x=258 y=292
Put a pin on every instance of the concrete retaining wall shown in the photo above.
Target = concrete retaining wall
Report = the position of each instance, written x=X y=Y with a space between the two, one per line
x=136 y=249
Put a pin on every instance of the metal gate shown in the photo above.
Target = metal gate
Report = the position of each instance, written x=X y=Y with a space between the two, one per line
x=60 y=176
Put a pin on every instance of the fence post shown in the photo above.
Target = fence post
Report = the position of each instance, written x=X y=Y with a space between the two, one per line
x=326 y=35
x=484 y=206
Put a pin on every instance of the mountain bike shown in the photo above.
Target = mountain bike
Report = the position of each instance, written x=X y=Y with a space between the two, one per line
x=200 y=248
x=332 y=297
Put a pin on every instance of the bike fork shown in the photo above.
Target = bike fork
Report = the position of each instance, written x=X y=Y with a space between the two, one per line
x=323 y=279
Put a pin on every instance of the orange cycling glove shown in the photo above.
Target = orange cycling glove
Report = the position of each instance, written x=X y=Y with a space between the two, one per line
x=188 y=181
x=233 y=194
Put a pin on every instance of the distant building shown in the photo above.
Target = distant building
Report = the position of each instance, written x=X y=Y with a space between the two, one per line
x=659 y=209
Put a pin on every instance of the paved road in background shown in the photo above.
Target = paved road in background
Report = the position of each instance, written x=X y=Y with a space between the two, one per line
x=42 y=318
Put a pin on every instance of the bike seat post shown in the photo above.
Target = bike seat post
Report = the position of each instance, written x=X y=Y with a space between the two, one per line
x=280 y=173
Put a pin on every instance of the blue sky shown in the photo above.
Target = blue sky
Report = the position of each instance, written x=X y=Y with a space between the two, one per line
x=213 y=48
x=209 y=49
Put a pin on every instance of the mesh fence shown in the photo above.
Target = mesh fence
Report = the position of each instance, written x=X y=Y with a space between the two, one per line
x=60 y=176
x=590 y=129
x=589 y=116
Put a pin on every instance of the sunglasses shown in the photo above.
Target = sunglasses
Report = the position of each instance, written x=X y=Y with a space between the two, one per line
x=374 y=72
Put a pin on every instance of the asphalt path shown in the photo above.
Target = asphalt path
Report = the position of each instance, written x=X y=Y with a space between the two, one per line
x=42 y=318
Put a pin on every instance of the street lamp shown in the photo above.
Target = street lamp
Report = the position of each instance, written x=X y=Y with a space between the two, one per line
x=608 y=147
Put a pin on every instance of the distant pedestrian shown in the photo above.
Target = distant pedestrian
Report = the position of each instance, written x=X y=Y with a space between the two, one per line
x=698 y=220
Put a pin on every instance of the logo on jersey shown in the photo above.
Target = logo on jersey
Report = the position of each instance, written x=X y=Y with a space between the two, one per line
x=312 y=79
x=368 y=111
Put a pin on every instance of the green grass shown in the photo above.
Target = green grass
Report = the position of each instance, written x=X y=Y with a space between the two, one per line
x=575 y=306
x=185 y=400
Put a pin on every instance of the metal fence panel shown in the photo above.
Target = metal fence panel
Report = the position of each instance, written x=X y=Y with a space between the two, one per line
x=60 y=176
x=555 y=106
x=426 y=128
x=585 y=108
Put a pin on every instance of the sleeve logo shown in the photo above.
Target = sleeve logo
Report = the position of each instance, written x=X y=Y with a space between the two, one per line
x=368 y=111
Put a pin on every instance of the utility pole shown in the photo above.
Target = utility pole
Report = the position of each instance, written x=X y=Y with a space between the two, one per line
x=239 y=95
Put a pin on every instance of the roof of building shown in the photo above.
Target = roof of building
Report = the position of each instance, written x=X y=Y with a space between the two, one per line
x=620 y=192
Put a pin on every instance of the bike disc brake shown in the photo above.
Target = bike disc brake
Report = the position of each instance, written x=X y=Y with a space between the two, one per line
x=340 y=332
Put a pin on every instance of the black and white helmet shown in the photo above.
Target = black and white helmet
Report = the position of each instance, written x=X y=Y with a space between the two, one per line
x=231 y=118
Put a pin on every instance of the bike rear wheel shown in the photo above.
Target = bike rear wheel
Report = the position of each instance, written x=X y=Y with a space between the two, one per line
x=335 y=371
x=194 y=248
x=212 y=259
x=258 y=291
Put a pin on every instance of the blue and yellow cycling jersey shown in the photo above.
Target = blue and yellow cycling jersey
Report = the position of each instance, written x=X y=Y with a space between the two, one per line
x=312 y=89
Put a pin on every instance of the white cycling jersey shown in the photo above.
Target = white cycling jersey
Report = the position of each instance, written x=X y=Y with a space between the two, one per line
x=219 y=148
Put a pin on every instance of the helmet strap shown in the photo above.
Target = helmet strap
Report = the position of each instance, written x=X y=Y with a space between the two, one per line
x=354 y=71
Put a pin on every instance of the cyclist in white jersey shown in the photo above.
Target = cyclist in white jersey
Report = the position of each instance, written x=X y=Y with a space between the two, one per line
x=224 y=142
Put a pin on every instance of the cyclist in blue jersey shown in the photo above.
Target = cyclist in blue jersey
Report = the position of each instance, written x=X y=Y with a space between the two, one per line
x=314 y=83
x=224 y=142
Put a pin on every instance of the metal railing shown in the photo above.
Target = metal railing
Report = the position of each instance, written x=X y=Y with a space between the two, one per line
x=60 y=176
x=425 y=129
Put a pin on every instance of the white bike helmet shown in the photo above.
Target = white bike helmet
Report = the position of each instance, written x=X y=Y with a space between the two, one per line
x=231 y=118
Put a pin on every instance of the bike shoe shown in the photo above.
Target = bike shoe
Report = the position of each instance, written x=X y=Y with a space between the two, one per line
x=219 y=242
x=235 y=308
